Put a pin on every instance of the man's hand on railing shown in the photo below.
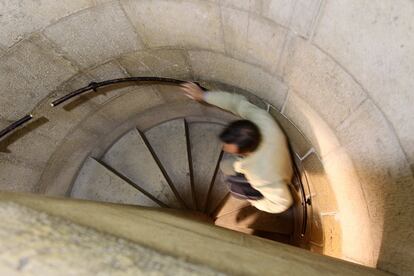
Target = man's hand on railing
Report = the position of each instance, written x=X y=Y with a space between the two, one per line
x=193 y=91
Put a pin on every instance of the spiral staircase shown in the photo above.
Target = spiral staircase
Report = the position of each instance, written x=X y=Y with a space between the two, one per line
x=175 y=164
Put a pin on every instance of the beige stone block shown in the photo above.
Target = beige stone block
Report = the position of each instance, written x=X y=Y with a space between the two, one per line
x=373 y=41
x=253 y=39
x=157 y=63
x=317 y=228
x=358 y=241
x=332 y=236
x=299 y=143
x=109 y=34
x=30 y=71
x=247 y=5
x=17 y=176
x=304 y=16
x=61 y=119
x=64 y=164
x=20 y=18
x=108 y=71
x=377 y=157
x=4 y=123
x=322 y=83
x=279 y=11
x=309 y=122
x=189 y=23
x=235 y=29
x=322 y=194
x=130 y=105
x=217 y=67
x=28 y=145
x=385 y=176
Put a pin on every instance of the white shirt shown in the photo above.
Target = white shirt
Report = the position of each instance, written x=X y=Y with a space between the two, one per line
x=269 y=168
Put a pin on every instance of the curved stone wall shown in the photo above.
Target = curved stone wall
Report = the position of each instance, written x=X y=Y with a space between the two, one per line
x=341 y=71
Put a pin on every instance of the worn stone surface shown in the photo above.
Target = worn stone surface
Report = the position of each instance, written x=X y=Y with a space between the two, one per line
x=169 y=143
x=131 y=103
x=193 y=23
x=163 y=230
x=131 y=157
x=279 y=11
x=217 y=193
x=62 y=119
x=373 y=41
x=217 y=67
x=108 y=35
x=322 y=83
x=252 y=218
x=311 y=124
x=317 y=179
x=31 y=70
x=332 y=236
x=247 y=5
x=160 y=63
x=20 y=18
x=304 y=17
x=97 y=183
x=17 y=176
x=29 y=145
x=205 y=153
x=385 y=176
x=59 y=246
x=230 y=205
x=299 y=143
x=252 y=39
x=354 y=218
x=107 y=71
x=299 y=16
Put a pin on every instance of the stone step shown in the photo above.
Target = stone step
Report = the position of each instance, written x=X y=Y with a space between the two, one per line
x=252 y=218
x=205 y=154
x=229 y=205
x=96 y=182
x=169 y=143
x=132 y=157
x=217 y=194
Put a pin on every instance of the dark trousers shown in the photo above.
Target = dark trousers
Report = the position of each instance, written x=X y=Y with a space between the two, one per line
x=238 y=185
x=240 y=188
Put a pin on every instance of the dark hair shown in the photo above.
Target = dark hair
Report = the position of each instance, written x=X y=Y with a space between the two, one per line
x=243 y=133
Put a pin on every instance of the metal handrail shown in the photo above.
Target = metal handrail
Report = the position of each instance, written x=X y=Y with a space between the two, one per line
x=15 y=125
x=93 y=86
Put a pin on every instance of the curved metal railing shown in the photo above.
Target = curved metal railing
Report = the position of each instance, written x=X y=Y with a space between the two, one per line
x=93 y=86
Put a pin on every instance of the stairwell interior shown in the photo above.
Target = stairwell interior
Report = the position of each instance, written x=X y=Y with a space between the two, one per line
x=337 y=77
